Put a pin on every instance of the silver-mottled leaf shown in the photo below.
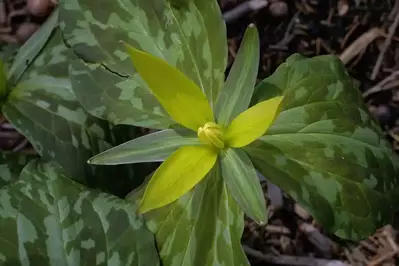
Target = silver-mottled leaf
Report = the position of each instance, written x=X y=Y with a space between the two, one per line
x=31 y=48
x=189 y=34
x=43 y=108
x=11 y=165
x=119 y=100
x=48 y=219
x=326 y=150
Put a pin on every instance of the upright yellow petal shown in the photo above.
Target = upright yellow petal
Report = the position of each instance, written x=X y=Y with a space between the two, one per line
x=185 y=168
x=180 y=96
x=252 y=123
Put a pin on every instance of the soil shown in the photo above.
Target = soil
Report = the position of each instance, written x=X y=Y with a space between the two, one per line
x=364 y=34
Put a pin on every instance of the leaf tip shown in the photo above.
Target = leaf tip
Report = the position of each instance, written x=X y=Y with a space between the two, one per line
x=252 y=29
x=262 y=222
x=93 y=160
x=252 y=25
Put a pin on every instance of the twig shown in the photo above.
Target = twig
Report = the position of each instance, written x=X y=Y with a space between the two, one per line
x=287 y=35
x=389 y=243
x=375 y=241
x=387 y=42
x=6 y=125
x=368 y=246
x=320 y=241
x=244 y=8
x=359 y=256
x=349 y=256
x=359 y=45
x=392 y=14
x=291 y=260
x=383 y=84
x=277 y=229
x=349 y=33
x=9 y=134
x=21 y=145
x=383 y=258
x=8 y=38
x=3 y=14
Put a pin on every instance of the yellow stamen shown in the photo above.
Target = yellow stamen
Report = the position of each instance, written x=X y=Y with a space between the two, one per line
x=212 y=134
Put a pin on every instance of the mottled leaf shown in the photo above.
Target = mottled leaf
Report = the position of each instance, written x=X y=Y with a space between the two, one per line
x=190 y=35
x=242 y=181
x=11 y=165
x=119 y=100
x=239 y=86
x=8 y=53
x=44 y=109
x=202 y=228
x=154 y=147
x=326 y=151
x=48 y=219
x=275 y=84
x=31 y=48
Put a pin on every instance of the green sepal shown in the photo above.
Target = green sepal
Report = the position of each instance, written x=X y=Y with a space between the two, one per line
x=243 y=183
x=154 y=147
x=237 y=91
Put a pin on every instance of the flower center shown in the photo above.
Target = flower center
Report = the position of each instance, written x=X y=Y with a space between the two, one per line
x=212 y=134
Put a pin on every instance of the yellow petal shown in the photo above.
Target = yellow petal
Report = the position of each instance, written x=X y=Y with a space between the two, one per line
x=180 y=96
x=252 y=123
x=185 y=168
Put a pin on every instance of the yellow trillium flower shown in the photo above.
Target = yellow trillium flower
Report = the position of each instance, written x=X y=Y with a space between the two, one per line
x=185 y=102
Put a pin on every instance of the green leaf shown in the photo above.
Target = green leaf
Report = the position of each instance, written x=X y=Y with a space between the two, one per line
x=202 y=228
x=44 y=109
x=48 y=219
x=11 y=165
x=155 y=147
x=326 y=151
x=116 y=99
x=242 y=181
x=189 y=35
x=275 y=85
x=239 y=86
x=8 y=53
x=31 y=48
